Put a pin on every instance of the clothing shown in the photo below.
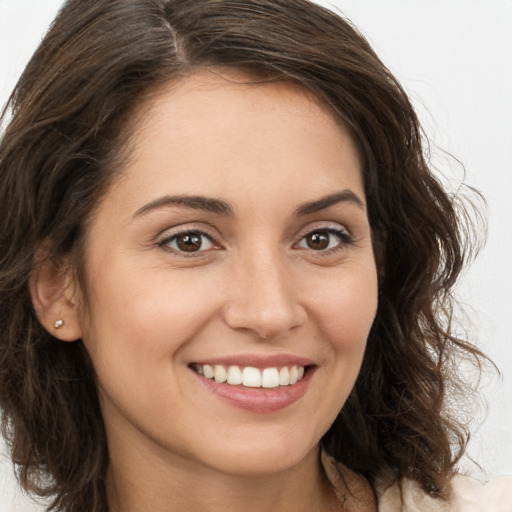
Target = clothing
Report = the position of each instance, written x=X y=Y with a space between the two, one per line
x=468 y=494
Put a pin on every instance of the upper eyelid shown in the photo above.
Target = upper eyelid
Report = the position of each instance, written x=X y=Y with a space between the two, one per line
x=336 y=226
x=211 y=232
x=170 y=233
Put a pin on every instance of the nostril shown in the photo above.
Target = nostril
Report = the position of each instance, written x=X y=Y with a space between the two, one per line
x=269 y=322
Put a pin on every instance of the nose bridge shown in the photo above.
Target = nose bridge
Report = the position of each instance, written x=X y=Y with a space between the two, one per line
x=262 y=298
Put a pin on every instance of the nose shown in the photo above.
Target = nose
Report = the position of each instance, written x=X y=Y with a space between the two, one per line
x=262 y=297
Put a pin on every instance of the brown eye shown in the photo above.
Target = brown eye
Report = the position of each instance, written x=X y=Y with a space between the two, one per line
x=325 y=240
x=318 y=241
x=188 y=242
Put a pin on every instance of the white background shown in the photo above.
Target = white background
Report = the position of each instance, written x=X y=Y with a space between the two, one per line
x=455 y=60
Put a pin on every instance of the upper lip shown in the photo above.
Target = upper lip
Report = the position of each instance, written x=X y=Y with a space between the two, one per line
x=257 y=360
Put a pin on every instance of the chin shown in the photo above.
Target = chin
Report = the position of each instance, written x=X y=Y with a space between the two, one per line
x=262 y=456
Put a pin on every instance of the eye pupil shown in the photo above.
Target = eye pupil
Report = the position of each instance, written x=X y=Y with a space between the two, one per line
x=318 y=240
x=189 y=242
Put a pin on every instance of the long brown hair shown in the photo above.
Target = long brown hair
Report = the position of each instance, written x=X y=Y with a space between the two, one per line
x=64 y=146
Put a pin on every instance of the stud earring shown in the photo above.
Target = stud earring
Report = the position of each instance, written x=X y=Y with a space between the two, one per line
x=58 y=324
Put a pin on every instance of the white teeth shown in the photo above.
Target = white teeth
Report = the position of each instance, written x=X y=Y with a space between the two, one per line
x=294 y=375
x=250 y=376
x=220 y=374
x=234 y=376
x=270 y=378
x=208 y=371
x=284 y=376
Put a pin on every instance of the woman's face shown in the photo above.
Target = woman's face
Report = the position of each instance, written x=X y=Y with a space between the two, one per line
x=235 y=243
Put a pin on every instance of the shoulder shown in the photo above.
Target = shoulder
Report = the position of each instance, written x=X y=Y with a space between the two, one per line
x=468 y=495
x=492 y=496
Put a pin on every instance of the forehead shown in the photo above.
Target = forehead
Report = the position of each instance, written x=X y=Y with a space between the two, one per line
x=227 y=134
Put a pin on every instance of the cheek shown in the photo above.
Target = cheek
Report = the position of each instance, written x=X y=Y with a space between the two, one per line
x=347 y=307
x=144 y=309
x=142 y=319
x=346 y=315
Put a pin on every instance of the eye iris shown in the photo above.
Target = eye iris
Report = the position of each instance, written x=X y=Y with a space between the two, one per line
x=318 y=240
x=189 y=242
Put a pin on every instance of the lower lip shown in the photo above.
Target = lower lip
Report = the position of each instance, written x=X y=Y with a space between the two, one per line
x=259 y=400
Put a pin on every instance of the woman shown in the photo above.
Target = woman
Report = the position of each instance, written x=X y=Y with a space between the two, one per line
x=225 y=268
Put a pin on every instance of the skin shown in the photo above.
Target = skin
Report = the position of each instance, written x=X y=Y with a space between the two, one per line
x=254 y=287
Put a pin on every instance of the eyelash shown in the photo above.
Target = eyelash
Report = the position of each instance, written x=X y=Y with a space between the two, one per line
x=345 y=240
x=165 y=242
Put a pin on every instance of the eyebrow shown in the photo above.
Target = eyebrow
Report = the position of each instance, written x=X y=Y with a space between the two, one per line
x=205 y=204
x=221 y=207
x=345 y=196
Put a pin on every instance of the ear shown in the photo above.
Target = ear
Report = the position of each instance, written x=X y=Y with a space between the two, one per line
x=54 y=292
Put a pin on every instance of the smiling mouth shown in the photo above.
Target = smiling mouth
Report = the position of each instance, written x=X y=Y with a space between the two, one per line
x=251 y=377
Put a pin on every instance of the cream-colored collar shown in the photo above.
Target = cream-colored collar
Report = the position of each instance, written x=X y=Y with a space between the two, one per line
x=354 y=492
